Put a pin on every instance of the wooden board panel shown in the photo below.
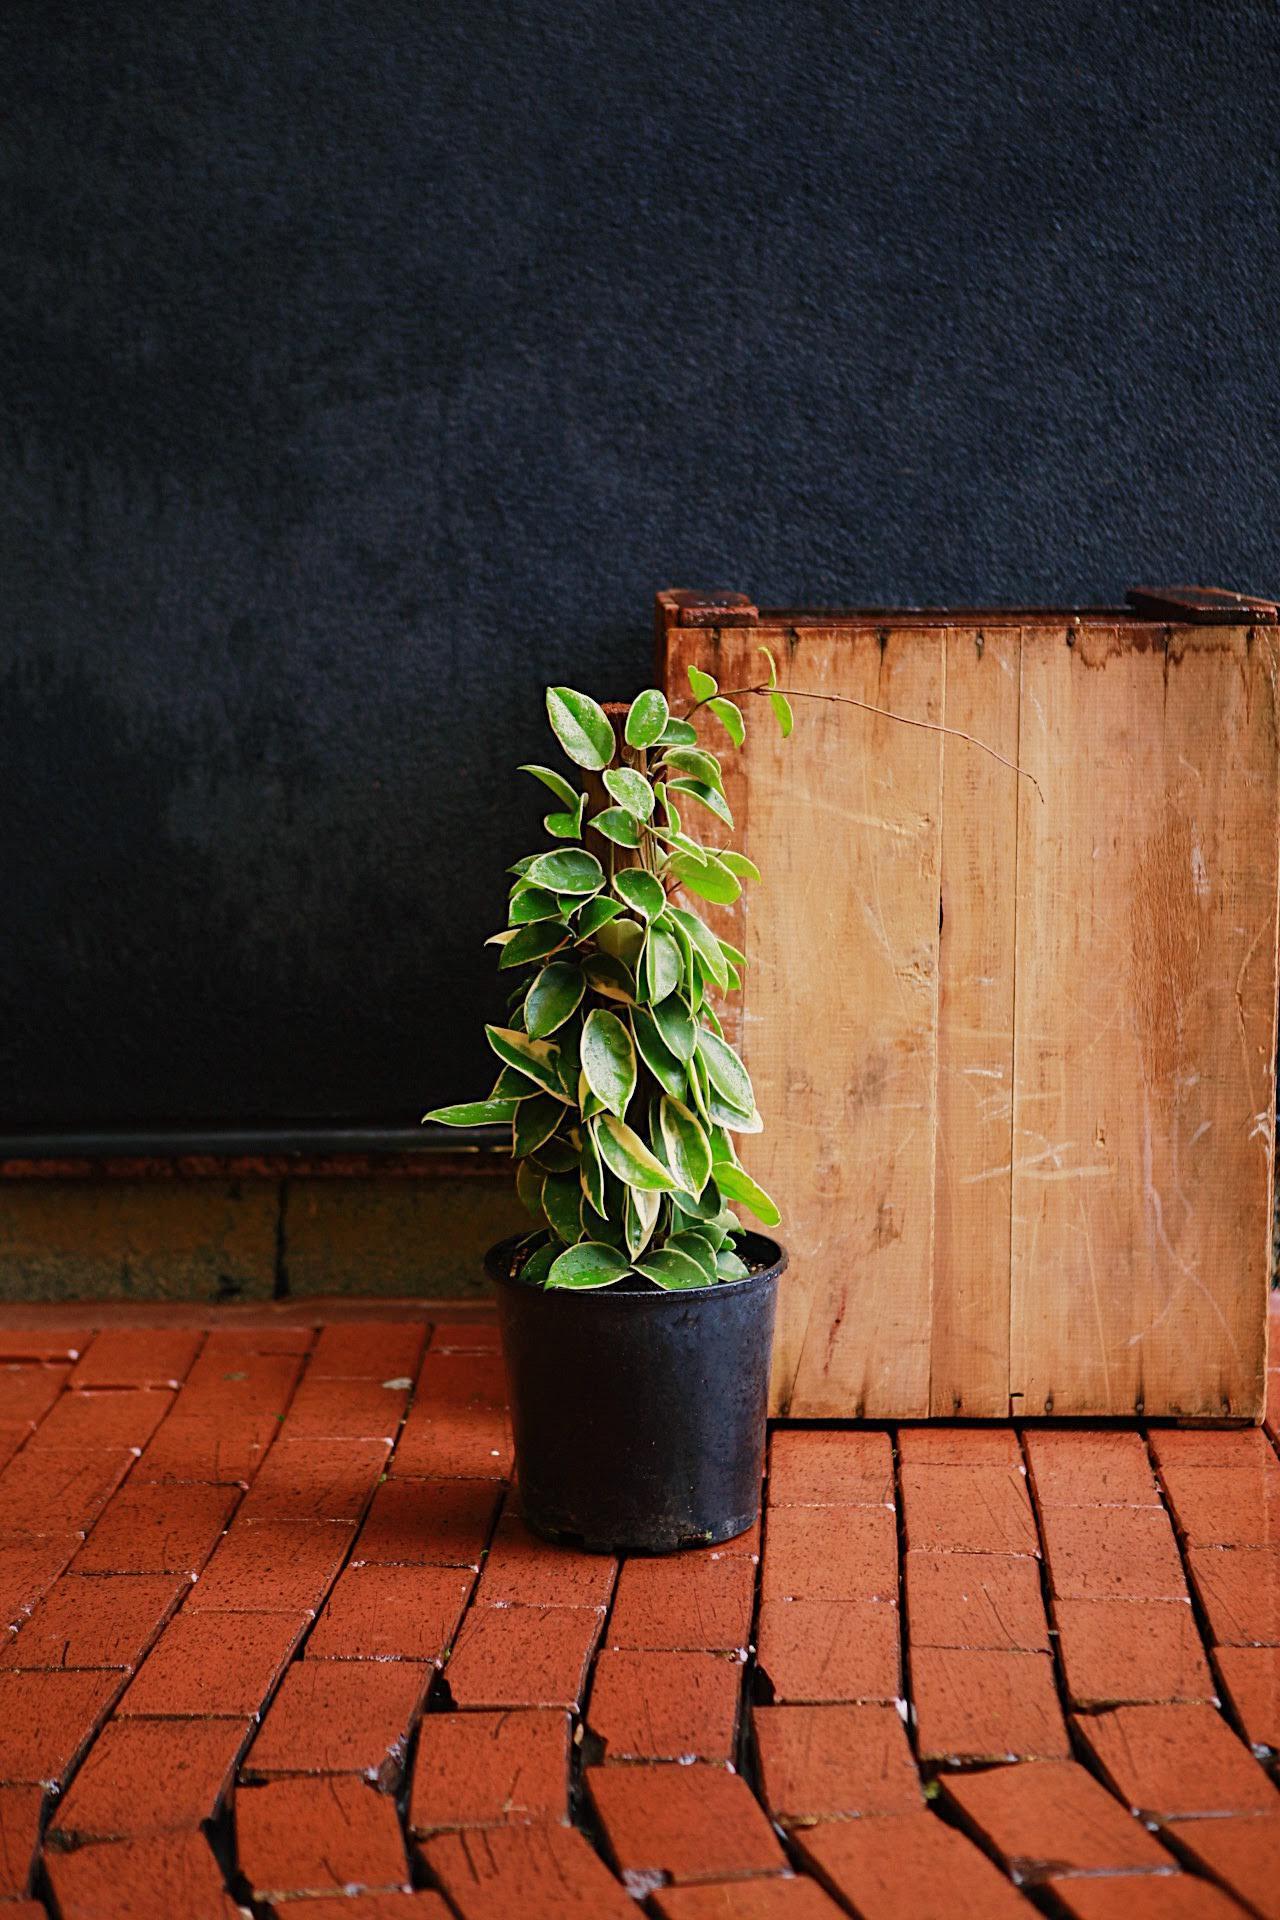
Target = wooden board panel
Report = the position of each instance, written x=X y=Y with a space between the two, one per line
x=1145 y=1021
x=840 y=1014
x=1107 y=955
x=969 y=1372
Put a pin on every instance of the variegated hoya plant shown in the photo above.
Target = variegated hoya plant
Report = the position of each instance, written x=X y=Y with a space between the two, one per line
x=621 y=1091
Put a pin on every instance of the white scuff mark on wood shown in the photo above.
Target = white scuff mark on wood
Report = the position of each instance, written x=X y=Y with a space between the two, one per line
x=1200 y=1131
x=1199 y=873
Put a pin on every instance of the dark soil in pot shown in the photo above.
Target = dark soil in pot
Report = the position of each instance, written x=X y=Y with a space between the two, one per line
x=640 y=1416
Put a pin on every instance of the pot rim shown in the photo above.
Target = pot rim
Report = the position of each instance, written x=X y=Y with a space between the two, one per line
x=495 y=1267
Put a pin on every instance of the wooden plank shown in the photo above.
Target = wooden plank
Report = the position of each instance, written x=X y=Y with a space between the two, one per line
x=840 y=1004
x=1145 y=1021
x=970 y=1309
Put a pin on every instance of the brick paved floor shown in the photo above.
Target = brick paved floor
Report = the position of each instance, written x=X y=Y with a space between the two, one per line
x=273 y=1629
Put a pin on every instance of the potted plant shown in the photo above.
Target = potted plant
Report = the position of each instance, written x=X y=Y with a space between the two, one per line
x=637 y=1316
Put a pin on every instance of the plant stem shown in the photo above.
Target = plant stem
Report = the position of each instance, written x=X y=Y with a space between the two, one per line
x=903 y=720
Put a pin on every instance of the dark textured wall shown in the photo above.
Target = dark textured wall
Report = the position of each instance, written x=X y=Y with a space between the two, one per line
x=367 y=365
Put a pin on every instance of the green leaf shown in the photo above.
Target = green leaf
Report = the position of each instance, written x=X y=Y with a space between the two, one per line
x=640 y=891
x=646 y=718
x=569 y=871
x=534 y=1271
x=590 y=1264
x=608 y=1059
x=782 y=713
x=737 y=1185
x=558 y=1155
x=726 y=1116
x=566 y=826
x=532 y=903
x=478 y=1113
x=707 y=796
x=535 y=1059
x=677 y=733
x=609 y=978
x=535 y=1121
x=631 y=790
x=662 y=964
x=640 y=1216
x=661 y=1062
x=555 y=994
x=582 y=728
x=698 y=1247
x=595 y=914
x=616 y=824
x=567 y=795
x=625 y=1153
x=562 y=1204
x=509 y=1085
x=533 y=943
x=676 y=1025
x=773 y=666
x=521 y=867
x=730 y=718
x=703 y=943
x=730 y=1267
x=591 y=1172
x=726 y=1072
x=704 y=1208
x=687 y=1149
x=697 y=765
x=587 y=1102
x=529 y=1184
x=671 y=1270
x=708 y=879
x=623 y=939
x=745 y=869
x=702 y=683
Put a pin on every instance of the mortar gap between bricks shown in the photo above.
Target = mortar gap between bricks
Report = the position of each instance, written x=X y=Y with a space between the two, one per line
x=584 y=1748
x=1082 y=1752
x=1223 y=1703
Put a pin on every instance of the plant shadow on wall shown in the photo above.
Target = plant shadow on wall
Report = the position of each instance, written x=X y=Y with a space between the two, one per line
x=621 y=1091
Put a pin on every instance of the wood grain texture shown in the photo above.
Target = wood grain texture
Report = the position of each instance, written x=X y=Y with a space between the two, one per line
x=1024 y=1159
x=839 y=1012
x=1145 y=1024
x=969 y=1374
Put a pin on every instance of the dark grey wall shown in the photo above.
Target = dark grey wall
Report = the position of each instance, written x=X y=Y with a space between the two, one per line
x=367 y=364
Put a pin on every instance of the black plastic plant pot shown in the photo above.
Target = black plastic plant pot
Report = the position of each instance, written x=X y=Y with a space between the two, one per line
x=640 y=1417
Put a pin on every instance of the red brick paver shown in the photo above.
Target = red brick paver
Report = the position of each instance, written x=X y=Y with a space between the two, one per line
x=248 y=1570
x=490 y=1769
x=830 y=1650
x=692 y=1602
x=1052 y=1817
x=987 y=1706
x=151 y=1776
x=318 y=1836
x=682 y=1824
x=834 y=1763
x=1242 y=1851
x=781 y=1897
x=1178 y=1761
x=540 y=1873
x=665 y=1706
x=391 y=1613
x=1126 y=1652
x=141 y=1880
x=1151 y=1897
x=340 y=1716
x=908 y=1869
